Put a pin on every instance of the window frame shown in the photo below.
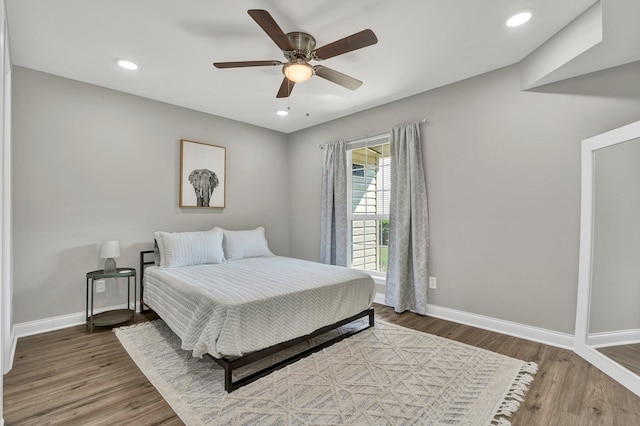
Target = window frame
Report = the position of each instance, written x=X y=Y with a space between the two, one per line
x=379 y=277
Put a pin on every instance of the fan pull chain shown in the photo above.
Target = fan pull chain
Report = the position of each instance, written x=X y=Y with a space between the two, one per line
x=307 y=100
x=289 y=94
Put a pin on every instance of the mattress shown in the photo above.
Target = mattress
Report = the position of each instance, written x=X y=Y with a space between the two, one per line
x=245 y=305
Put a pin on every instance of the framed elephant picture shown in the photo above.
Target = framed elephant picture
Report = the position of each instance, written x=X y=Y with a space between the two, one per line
x=202 y=174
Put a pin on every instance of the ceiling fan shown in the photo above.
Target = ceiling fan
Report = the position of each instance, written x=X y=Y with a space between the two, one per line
x=299 y=48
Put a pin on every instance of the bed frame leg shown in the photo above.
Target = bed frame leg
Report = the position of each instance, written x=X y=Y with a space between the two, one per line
x=228 y=379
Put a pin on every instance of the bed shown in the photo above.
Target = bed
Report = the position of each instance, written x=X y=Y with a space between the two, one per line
x=225 y=295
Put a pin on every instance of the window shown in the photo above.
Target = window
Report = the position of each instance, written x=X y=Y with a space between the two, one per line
x=369 y=186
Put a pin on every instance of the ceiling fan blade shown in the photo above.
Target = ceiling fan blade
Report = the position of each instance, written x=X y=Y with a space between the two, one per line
x=285 y=88
x=246 y=64
x=269 y=25
x=348 y=44
x=337 y=77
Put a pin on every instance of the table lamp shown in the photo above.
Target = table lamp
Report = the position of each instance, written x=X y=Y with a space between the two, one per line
x=109 y=250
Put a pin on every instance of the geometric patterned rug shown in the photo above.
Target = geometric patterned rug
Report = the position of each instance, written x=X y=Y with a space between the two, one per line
x=384 y=375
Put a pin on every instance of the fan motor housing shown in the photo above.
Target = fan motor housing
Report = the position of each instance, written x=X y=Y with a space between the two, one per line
x=303 y=43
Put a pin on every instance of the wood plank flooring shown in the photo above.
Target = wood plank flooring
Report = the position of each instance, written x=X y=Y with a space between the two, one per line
x=626 y=355
x=71 y=377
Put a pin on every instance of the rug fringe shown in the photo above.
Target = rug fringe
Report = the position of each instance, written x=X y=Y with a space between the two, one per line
x=515 y=394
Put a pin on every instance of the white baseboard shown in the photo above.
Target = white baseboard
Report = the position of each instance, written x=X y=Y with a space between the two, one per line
x=527 y=332
x=30 y=328
x=614 y=338
x=12 y=352
x=8 y=355
x=379 y=299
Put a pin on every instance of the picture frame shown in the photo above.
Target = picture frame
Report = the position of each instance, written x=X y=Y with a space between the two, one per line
x=203 y=175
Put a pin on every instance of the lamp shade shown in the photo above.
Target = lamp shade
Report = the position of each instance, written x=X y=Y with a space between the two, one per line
x=109 y=249
x=298 y=71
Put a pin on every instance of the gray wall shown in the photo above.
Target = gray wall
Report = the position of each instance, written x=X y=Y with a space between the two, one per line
x=92 y=164
x=615 y=286
x=503 y=177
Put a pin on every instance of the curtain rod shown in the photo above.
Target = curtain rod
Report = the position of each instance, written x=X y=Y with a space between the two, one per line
x=376 y=135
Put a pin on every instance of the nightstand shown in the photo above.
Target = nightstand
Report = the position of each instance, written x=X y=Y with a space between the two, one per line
x=114 y=316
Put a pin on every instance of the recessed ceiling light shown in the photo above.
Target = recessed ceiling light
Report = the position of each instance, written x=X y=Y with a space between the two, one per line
x=519 y=19
x=127 y=64
x=282 y=112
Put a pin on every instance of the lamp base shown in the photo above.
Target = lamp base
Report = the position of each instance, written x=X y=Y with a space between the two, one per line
x=110 y=266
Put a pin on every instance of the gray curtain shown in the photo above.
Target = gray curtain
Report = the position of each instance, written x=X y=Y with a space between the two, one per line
x=334 y=229
x=407 y=273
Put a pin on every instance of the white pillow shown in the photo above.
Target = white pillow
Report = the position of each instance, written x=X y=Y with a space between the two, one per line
x=190 y=248
x=241 y=244
x=156 y=253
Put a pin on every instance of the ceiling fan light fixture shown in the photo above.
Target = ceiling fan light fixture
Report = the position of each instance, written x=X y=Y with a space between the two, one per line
x=299 y=49
x=298 y=71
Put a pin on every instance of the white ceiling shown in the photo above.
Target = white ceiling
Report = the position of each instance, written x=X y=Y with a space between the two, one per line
x=423 y=44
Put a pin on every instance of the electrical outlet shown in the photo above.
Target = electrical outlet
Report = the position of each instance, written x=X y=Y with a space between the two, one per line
x=100 y=286
x=432 y=283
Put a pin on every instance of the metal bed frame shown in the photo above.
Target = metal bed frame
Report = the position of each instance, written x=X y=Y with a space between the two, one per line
x=231 y=364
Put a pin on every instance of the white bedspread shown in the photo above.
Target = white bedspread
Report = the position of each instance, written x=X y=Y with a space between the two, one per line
x=245 y=305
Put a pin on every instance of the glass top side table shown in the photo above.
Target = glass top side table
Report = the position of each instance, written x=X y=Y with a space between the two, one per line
x=114 y=316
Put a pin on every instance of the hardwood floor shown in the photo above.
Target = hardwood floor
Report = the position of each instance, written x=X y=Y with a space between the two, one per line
x=71 y=377
x=626 y=355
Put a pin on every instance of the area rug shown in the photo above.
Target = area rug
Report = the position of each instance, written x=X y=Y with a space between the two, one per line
x=384 y=375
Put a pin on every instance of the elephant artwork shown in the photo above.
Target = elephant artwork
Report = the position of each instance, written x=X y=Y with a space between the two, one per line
x=204 y=181
x=197 y=164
